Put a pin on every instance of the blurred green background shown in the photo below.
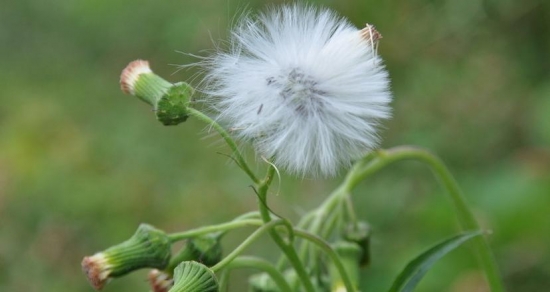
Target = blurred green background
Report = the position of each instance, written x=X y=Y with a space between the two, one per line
x=81 y=164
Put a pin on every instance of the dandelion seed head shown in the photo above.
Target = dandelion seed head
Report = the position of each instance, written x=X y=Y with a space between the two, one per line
x=303 y=85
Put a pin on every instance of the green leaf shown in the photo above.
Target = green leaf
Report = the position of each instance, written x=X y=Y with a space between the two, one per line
x=409 y=278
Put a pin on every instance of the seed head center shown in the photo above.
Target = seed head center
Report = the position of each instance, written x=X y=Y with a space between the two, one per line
x=298 y=90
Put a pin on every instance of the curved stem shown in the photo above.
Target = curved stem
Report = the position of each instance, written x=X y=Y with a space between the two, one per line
x=254 y=236
x=339 y=194
x=333 y=200
x=320 y=215
x=213 y=228
x=322 y=244
x=248 y=215
x=305 y=221
x=261 y=264
x=287 y=248
x=230 y=142
x=465 y=217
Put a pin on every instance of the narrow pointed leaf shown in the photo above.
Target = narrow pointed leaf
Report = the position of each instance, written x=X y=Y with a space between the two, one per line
x=409 y=278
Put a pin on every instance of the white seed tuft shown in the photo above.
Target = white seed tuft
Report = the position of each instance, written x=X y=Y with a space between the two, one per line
x=304 y=86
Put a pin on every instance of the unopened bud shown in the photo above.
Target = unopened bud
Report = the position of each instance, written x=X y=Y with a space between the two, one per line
x=194 y=277
x=147 y=248
x=169 y=101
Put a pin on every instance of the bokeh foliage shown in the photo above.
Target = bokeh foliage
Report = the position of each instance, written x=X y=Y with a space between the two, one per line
x=81 y=165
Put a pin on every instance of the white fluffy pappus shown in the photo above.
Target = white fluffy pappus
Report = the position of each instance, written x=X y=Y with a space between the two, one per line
x=303 y=85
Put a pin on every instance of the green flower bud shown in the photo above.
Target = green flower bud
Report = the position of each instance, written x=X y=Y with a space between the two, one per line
x=147 y=248
x=360 y=234
x=205 y=249
x=169 y=101
x=194 y=277
x=350 y=254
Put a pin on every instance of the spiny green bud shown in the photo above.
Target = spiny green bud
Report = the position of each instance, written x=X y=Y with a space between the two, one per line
x=170 y=101
x=349 y=253
x=147 y=248
x=205 y=249
x=360 y=233
x=194 y=277
x=171 y=108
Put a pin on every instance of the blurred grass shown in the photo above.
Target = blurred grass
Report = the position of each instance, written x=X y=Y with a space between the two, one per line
x=81 y=165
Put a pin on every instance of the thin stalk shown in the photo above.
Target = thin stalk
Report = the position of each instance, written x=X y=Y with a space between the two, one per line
x=320 y=215
x=352 y=216
x=174 y=237
x=287 y=248
x=335 y=219
x=254 y=236
x=323 y=245
x=248 y=215
x=230 y=142
x=263 y=265
x=224 y=280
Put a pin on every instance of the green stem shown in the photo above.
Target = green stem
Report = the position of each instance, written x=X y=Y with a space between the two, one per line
x=352 y=216
x=334 y=220
x=174 y=237
x=320 y=215
x=305 y=221
x=331 y=253
x=254 y=236
x=465 y=217
x=287 y=248
x=263 y=265
x=248 y=215
x=224 y=280
x=230 y=142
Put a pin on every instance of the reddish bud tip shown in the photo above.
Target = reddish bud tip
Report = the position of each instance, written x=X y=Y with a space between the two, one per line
x=96 y=270
x=130 y=75
x=160 y=281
